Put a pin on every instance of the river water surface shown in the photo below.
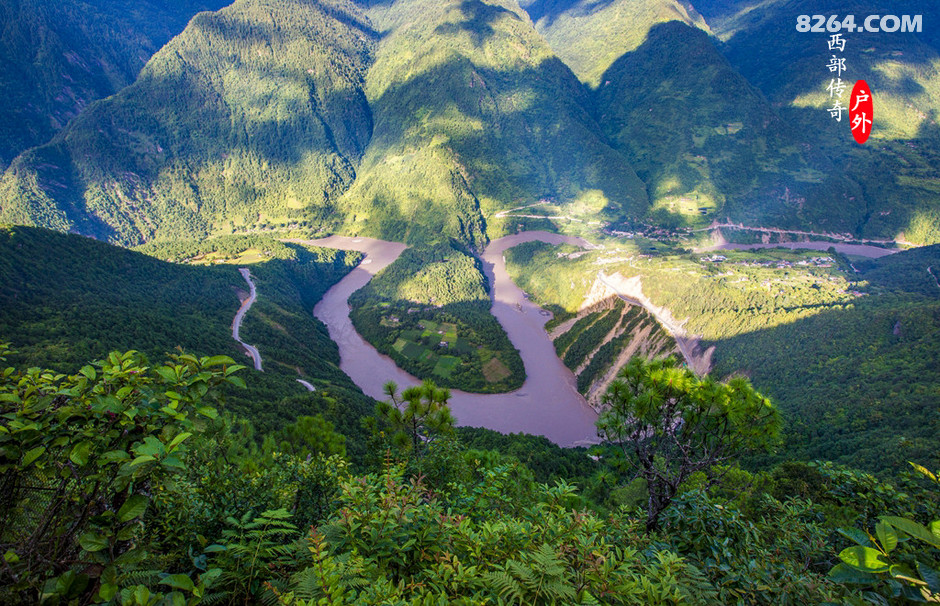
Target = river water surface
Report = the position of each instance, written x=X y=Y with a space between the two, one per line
x=547 y=404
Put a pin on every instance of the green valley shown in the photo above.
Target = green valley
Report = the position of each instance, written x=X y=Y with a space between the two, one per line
x=60 y=308
x=472 y=302
x=430 y=312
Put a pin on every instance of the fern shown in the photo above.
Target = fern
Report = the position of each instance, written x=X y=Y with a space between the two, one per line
x=539 y=579
x=255 y=550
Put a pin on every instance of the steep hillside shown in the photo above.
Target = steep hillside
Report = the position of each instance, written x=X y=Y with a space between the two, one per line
x=473 y=115
x=850 y=359
x=898 y=169
x=589 y=35
x=254 y=116
x=602 y=338
x=68 y=299
x=58 y=57
x=708 y=144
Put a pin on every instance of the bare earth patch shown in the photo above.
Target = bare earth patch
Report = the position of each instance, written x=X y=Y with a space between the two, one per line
x=495 y=371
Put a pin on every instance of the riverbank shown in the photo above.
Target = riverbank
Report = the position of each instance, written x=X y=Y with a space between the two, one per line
x=547 y=404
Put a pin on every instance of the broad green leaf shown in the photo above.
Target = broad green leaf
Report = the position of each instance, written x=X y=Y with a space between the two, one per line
x=89 y=371
x=913 y=529
x=930 y=576
x=234 y=368
x=856 y=536
x=133 y=507
x=151 y=446
x=141 y=595
x=32 y=455
x=214 y=548
x=210 y=575
x=173 y=462
x=842 y=573
x=208 y=411
x=217 y=361
x=114 y=455
x=10 y=557
x=178 y=581
x=80 y=453
x=865 y=559
x=237 y=382
x=93 y=541
x=177 y=441
x=886 y=536
x=174 y=395
x=167 y=373
x=107 y=591
x=142 y=459
x=70 y=583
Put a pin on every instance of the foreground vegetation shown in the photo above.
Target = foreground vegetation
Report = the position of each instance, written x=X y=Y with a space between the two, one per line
x=68 y=297
x=126 y=483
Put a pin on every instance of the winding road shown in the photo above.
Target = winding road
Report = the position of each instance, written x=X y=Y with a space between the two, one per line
x=250 y=350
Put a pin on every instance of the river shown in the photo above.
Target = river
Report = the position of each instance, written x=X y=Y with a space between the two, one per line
x=547 y=404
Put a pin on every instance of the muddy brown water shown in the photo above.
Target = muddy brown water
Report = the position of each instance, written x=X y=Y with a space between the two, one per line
x=547 y=404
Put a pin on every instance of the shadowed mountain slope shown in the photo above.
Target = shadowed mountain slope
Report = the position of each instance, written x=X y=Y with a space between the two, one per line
x=254 y=116
x=57 y=57
x=473 y=115
x=589 y=35
x=709 y=145
x=898 y=170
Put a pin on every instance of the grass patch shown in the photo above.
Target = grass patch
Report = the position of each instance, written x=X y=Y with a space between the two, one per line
x=495 y=371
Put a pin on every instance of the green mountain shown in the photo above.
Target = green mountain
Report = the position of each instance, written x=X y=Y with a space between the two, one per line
x=261 y=115
x=253 y=116
x=589 y=36
x=708 y=144
x=897 y=170
x=474 y=115
x=56 y=58
x=69 y=299
x=866 y=393
x=849 y=358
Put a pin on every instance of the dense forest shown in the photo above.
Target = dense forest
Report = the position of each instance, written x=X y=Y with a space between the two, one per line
x=865 y=395
x=59 y=57
x=60 y=308
x=131 y=484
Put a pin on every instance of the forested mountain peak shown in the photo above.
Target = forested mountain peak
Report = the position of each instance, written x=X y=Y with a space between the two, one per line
x=254 y=115
x=58 y=57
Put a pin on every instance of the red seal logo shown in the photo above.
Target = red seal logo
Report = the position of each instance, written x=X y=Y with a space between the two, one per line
x=861 y=111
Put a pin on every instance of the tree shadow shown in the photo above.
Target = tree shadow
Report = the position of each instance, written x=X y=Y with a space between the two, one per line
x=855 y=383
x=550 y=10
x=477 y=22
